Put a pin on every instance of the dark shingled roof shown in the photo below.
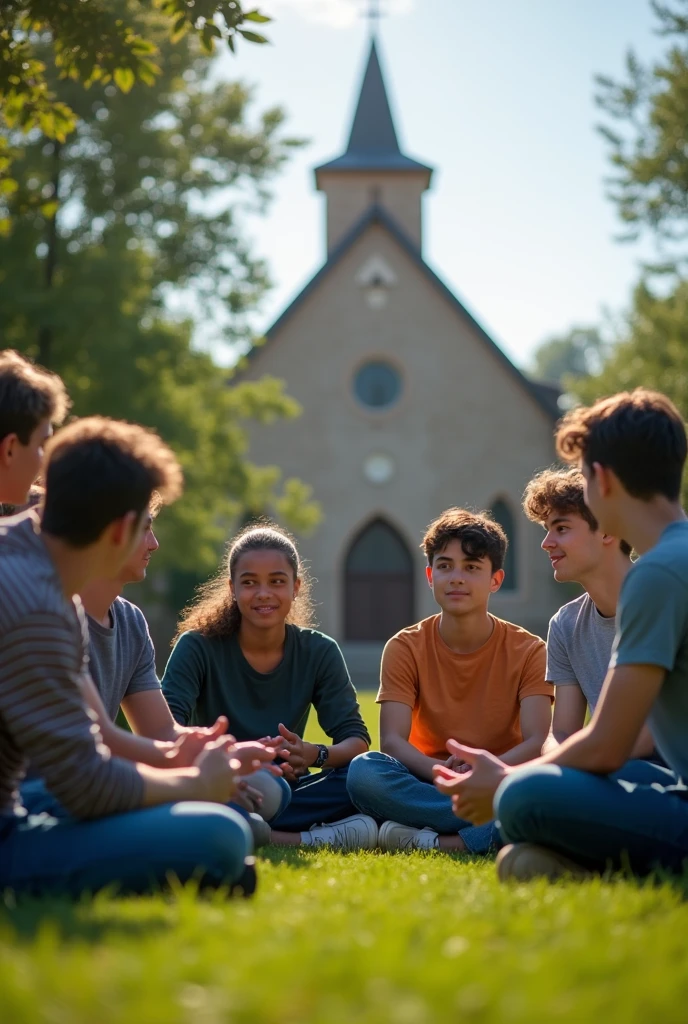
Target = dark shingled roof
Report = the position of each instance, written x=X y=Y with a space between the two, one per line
x=545 y=395
x=373 y=144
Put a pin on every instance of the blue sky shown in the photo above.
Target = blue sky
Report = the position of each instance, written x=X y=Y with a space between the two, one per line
x=498 y=96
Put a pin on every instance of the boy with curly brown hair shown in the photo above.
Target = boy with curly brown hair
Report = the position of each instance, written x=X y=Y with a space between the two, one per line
x=581 y=633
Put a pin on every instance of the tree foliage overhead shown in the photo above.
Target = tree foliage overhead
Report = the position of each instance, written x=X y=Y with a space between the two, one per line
x=96 y=41
x=646 y=134
x=141 y=205
x=650 y=158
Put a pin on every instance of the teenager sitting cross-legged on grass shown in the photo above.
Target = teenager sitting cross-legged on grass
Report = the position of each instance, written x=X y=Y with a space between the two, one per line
x=566 y=813
x=460 y=673
x=122 y=667
x=581 y=633
x=129 y=825
x=245 y=650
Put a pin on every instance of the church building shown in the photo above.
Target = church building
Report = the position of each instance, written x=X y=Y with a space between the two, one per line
x=409 y=407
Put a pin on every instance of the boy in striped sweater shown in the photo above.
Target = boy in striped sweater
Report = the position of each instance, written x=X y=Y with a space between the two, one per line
x=126 y=826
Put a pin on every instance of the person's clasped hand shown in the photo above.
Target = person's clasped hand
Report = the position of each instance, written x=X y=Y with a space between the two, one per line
x=471 y=788
x=223 y=761
x=249 y=756
x=298 y=754
x=247 y=797
x=184 y=751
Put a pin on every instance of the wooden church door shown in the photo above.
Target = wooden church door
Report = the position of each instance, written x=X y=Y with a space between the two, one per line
x=378 y=585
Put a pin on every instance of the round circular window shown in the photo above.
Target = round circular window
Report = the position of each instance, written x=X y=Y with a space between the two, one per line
x=377 y=384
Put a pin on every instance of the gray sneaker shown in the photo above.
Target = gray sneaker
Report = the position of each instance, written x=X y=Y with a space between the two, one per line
x=359 y=832
x=522 y=862
x=394 y=836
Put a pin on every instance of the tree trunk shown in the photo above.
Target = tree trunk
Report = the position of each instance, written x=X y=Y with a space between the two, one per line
x=45 y=332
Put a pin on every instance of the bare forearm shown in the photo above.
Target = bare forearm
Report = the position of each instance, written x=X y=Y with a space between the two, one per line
x=645 y=745
x=171 y=786
x=133 y=748
x=121 y=743
x=527 y=750
x=403 y=751
x=583 y=751
x=163 y=787
x=552 y=742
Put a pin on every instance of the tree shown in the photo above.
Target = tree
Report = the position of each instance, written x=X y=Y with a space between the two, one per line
x=647 y=141
x=93 y=41
x=650 y=188
x=577 y=353
x=144 y=198
x=654 y=353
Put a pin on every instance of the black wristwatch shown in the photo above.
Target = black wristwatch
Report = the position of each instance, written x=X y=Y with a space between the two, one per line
x=323 y=754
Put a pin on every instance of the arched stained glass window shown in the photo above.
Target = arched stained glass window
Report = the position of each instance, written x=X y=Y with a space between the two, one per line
x=502 y=514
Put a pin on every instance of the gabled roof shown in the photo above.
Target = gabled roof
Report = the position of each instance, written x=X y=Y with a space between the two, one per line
x=545 y=395
x=373 y=143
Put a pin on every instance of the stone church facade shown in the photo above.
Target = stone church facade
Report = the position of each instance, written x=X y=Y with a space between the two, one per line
x=408 y=406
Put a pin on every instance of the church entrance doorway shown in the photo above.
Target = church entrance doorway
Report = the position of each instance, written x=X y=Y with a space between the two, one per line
x=378 y=585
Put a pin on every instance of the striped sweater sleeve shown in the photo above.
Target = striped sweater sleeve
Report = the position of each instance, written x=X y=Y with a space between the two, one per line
x=43 y=711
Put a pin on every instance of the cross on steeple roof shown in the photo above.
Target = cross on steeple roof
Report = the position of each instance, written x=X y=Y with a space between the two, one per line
x=374 y=13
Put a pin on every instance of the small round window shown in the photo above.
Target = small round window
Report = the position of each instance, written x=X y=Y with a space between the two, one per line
x=377 y=385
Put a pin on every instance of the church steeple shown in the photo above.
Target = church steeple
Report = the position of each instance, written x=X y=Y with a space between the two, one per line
x=373 y=167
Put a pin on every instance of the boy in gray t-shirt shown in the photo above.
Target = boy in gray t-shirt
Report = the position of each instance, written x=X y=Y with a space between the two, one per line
x=581 y=633
x=567 y=813
x=121 y=656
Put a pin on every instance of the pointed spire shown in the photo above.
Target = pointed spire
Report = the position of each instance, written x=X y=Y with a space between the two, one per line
x=373 y=132
x=373 y=143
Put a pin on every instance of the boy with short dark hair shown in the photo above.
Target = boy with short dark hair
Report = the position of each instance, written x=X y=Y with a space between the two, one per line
x=565 y=814
x=462 y=672
x=32 y=400
x=126 y=826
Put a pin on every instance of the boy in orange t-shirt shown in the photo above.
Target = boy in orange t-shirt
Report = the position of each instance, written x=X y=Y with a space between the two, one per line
x=462 y=674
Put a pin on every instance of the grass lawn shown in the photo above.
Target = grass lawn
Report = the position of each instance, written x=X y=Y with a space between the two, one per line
x=366 y=938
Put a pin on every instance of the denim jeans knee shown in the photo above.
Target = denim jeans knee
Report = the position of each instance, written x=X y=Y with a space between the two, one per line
x=522 y=799
x=363 y=777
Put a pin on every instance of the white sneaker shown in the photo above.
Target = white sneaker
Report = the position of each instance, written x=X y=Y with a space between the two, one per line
x=394 y=836
x=359 y=832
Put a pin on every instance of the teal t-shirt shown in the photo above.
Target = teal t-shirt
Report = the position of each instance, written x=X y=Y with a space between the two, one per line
x=652 y=629
x=209 y=676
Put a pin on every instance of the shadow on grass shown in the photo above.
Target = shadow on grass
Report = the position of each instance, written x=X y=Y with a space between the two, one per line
x=295 y=857
x=75 y=920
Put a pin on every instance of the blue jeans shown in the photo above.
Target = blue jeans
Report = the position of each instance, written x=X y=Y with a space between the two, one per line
x=636 y=818
x=383 y=787
x=315 y=799
x=133 y=852
x=36 y=798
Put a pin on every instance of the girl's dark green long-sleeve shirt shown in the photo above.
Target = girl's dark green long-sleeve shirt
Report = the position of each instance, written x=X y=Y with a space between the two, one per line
x=209 y=676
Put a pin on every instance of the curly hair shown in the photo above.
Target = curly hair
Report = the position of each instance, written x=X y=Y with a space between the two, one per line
x=215 y=612
x=561 y=491
x=640 y=435
x=479 y=535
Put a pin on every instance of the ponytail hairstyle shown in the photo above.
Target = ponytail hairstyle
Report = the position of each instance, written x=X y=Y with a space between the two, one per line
x=214 y=610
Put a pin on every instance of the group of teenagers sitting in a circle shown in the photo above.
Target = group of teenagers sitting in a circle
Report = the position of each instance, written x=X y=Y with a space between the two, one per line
x=483 y=734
